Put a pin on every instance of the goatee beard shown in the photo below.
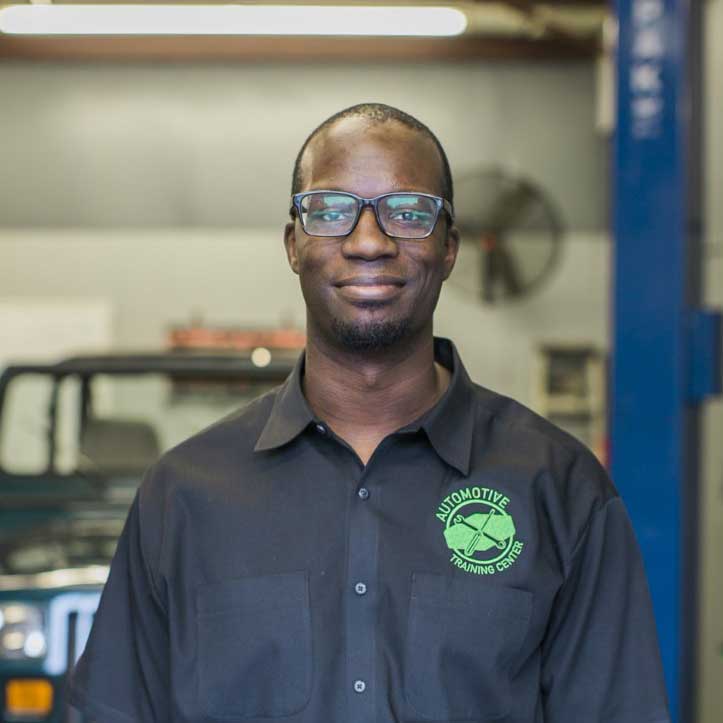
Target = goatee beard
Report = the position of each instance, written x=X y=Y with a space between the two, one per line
x=369 y=336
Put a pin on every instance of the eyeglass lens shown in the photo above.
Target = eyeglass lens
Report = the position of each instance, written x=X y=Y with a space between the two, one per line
x=402 y=215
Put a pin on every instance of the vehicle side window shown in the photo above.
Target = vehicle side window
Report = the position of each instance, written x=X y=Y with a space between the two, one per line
x=28 y=438
x=24 y=442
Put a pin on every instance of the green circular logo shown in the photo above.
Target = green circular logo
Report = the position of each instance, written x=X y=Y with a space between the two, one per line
x=479 y=530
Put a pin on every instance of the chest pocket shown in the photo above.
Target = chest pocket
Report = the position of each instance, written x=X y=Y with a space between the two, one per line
x=254 y=646
x=462 y=637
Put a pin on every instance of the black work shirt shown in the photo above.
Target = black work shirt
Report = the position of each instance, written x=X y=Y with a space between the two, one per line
x=481 y=567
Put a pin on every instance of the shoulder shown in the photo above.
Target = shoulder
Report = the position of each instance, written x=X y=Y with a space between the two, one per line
x=209 y=454
x=515 y=419
x=557 y=472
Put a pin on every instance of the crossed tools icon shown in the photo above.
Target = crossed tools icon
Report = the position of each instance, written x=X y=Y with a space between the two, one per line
x=478 y=532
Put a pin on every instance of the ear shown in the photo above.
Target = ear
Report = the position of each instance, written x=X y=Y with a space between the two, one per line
x=451 y=248
x=290 y=244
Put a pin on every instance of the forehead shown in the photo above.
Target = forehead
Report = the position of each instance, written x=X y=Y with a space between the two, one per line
x=369 y=158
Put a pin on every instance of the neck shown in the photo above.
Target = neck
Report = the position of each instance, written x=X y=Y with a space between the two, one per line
x=364 y=397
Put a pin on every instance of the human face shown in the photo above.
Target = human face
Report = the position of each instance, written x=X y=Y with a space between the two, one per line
x=368 y=291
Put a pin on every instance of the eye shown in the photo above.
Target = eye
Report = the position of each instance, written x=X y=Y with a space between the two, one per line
x=409 y=211
x=328 y=209
x=330 y=215
x=410 y=216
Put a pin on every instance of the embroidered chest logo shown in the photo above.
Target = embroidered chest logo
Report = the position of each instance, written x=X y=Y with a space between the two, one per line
x=479 y=530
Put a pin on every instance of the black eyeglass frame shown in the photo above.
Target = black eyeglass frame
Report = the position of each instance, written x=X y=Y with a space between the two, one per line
x=441 y=203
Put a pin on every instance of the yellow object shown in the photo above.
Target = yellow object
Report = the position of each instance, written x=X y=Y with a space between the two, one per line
x=32 y=696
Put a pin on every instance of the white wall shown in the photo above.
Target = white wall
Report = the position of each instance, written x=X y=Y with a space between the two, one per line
x=47 y=329
x=213 y=145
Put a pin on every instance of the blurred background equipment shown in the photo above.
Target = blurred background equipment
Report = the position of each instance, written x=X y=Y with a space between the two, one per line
x=200 y=337
x=570 y=389
x=511 y=233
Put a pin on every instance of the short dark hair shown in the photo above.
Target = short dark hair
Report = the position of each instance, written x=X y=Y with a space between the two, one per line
x=378 y=113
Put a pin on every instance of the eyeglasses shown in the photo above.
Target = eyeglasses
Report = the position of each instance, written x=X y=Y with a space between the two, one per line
x=401 y=215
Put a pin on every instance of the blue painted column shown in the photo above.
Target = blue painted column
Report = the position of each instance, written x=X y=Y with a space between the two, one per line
x=664 y=357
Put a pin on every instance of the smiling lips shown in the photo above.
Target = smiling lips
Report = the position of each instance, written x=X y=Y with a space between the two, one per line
x=368 y=287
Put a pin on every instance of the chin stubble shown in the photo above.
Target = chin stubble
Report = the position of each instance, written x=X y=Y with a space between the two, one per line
x=370 y=336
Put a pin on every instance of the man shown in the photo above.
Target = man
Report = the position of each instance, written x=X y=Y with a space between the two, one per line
x=379 y=539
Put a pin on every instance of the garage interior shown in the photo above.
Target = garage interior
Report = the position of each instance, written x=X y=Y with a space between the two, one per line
x=145 y=184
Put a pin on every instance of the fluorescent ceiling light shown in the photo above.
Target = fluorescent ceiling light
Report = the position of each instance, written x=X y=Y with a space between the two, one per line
x=231 y=20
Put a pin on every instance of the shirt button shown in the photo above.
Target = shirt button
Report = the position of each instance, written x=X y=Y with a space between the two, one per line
x=360 y=686
x=360 y=588
x=363 y=493
x=321 y=429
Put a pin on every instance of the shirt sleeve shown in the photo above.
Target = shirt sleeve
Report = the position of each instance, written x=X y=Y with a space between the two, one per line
x=600 y=655
x=122 y=676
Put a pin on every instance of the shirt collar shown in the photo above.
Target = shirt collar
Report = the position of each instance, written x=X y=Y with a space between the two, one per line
x=290 y=413
x=449 y=424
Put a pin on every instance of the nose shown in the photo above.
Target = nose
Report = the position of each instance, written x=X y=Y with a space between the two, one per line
x=367 y=241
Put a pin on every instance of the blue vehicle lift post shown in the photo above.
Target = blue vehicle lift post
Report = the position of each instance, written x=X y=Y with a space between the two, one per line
x=666 y=356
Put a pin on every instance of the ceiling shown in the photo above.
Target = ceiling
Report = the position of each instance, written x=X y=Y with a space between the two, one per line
x=501 y=29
